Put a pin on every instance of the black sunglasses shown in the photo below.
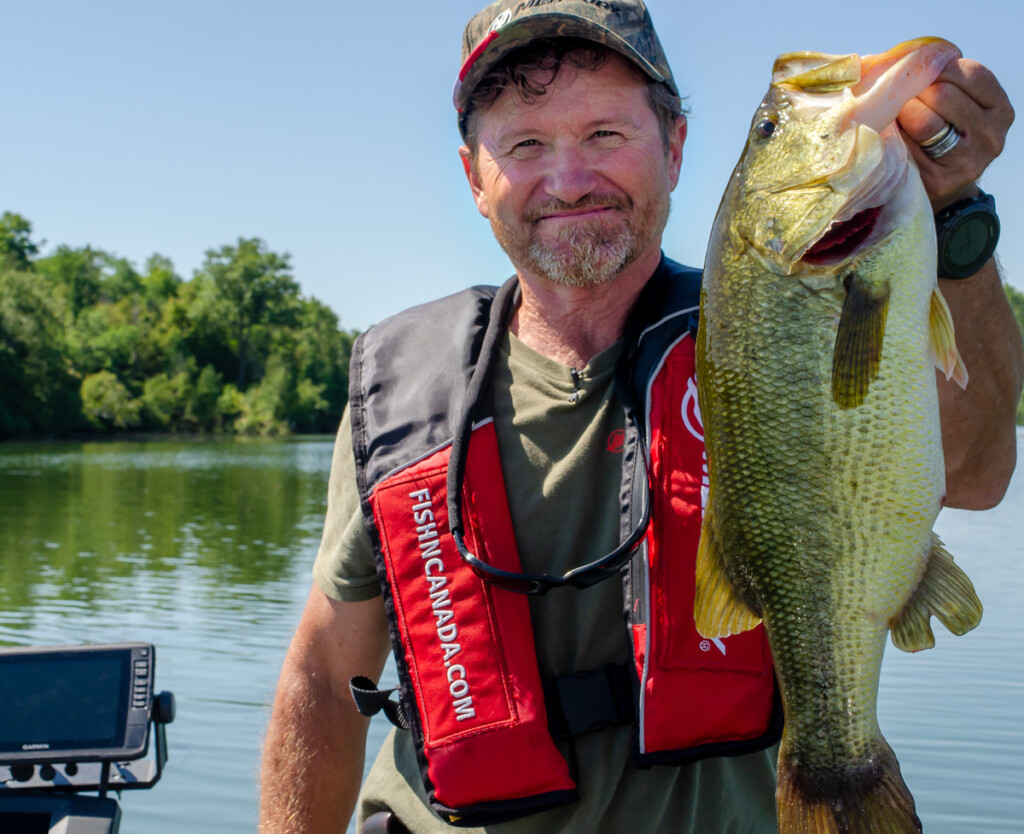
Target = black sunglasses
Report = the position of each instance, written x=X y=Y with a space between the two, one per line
x=533 y=584
x=584 y=576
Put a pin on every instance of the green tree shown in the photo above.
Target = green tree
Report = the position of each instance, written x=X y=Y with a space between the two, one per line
x=258 y=291
x=201 y=411
x=38 y=386
x=264 y=406
x=89 y=341
x=105 y=337
x=16 y=246
x=76 y=273
x=322 y=354
x=120 y=280
x=165 y=401
x=107 y=404
x=160 y=282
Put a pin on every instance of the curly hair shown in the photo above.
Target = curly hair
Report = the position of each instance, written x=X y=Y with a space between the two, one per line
x=531 y=70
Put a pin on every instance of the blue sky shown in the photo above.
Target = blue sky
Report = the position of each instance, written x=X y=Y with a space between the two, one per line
x=326 y=128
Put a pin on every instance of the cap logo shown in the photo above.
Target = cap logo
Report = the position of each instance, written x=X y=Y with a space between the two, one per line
x=501 y=20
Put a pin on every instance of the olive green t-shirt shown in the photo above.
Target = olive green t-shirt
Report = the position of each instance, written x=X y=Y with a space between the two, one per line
x=559 y=435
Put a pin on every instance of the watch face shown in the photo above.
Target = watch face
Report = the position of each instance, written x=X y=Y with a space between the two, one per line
x=968 y=242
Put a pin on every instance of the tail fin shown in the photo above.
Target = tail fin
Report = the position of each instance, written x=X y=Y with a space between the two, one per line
x=869 y=798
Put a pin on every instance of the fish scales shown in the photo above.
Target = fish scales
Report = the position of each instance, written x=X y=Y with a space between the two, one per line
x=815 y=362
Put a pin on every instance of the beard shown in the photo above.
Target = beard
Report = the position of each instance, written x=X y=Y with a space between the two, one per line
x=587 y=253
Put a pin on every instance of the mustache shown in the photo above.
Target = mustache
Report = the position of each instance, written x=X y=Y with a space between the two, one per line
x=590 y=201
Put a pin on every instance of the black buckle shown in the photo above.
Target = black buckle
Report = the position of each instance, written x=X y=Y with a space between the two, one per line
x=370 y=700
x=383 y=822
x=589 y=701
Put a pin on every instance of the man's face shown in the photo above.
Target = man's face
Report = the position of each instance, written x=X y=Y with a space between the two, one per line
x=576 y=184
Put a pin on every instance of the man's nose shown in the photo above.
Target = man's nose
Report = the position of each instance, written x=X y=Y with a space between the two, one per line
x=570 y=176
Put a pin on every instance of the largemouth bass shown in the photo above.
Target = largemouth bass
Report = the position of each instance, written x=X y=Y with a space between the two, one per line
x=821 y=321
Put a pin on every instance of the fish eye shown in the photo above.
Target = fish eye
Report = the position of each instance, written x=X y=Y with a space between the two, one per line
x=765 y=128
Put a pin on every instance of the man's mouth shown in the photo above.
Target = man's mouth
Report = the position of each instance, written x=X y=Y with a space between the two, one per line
x=579 y=214
x=586 y=209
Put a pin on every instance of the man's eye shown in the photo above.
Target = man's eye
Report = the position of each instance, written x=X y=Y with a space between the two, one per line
x=601 y=134
x=527 y=143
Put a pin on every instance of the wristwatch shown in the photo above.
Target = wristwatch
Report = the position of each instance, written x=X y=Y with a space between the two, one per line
x=967 y=234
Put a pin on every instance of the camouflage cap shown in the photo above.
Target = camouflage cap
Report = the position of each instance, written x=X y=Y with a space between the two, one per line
x=506 y=25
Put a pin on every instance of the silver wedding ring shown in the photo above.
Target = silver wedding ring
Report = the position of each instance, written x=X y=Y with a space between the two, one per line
x=941 y=143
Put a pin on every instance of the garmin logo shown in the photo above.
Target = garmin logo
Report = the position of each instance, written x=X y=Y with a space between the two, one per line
x=38 y=746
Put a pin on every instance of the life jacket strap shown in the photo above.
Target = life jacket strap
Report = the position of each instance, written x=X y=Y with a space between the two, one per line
x=576 y=704
x=370 y=700
x=588 y=701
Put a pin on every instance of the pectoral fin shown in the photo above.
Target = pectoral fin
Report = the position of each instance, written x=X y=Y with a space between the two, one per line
x=718 y=610
x=858 y=348
x=943 y=343
x=944 y=591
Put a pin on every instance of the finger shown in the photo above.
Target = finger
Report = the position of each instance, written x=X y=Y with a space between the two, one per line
x=973 y=102
x=967 y=96
x=919 y=121
x=976 y=81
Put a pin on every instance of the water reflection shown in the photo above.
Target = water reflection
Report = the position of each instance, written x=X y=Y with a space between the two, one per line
x=204 y=549
x=78 y=518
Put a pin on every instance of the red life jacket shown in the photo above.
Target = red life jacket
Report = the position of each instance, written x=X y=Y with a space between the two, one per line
x=470 y=687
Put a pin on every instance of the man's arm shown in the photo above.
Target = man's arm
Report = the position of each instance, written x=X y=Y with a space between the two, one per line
x=315 y=746
x=978 y=434
x=978 y=422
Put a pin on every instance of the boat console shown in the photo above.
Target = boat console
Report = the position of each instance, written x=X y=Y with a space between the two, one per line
x=76 y=720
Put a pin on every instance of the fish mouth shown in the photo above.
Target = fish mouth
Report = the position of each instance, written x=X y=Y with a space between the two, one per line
x=872 y=88
x=843 y=239
x=891 y=79
x=837 y=118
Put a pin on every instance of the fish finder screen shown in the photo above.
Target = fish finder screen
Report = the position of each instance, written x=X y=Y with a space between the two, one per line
x=63 y=701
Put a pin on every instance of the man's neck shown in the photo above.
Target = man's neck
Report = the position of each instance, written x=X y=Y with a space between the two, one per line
x=573 y=324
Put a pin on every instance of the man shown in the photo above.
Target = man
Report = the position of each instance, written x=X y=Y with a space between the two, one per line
x=507 y=426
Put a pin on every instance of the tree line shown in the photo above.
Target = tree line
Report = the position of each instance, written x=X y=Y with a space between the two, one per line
x=90 y=344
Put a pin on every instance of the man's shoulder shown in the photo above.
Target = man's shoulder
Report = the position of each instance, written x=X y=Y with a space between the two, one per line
x=672 y=293
x=683 y=283
x=680 y=270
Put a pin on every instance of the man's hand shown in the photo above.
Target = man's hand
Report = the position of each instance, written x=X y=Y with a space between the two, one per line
x=978 y=435
x=967 y=96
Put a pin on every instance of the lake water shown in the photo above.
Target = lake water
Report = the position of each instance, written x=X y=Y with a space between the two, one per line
x=204 y=549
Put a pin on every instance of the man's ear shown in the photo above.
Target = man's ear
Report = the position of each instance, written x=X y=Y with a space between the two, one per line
x=473 y=177
x=676 y=140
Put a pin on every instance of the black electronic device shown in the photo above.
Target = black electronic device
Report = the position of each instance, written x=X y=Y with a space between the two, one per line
x=76 y=719
x=968 y=232
x=87 y=703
